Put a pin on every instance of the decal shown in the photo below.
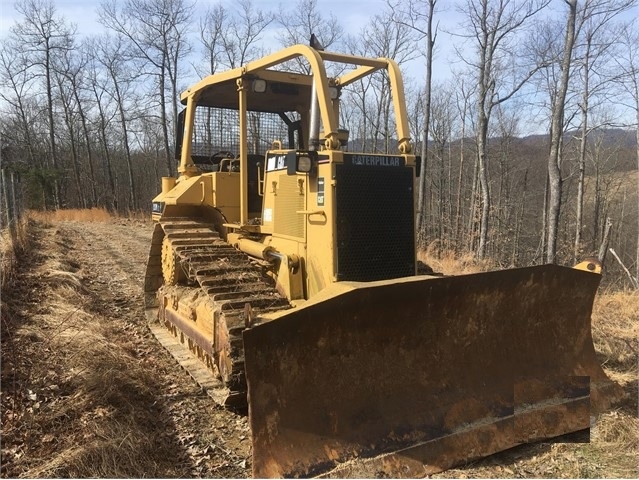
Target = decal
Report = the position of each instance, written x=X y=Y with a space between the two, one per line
x=363 y=160
x=320 y=191
x=275 y=162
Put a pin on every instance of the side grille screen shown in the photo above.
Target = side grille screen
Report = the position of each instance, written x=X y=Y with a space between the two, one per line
x=375 y=223
x=288 y=201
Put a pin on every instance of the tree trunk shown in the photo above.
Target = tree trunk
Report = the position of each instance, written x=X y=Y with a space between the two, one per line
x=557 y=128
x=582 y=153
x=164 y=119
x=112 y=204
x=484 y=187
x=472 y=218
x=87 y=139
x=133 y=200
x=52 y=145
x=421 y=218
x=458 y=207
x=68 y=120
x=596 y=216
x=603 y=248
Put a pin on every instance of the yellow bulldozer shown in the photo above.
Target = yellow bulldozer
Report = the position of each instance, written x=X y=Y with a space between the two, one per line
x=283 y=276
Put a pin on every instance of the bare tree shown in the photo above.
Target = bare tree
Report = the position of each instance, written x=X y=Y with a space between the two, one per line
x=240 y=40
x=372 y=96
x=16 y=82
x=593 y=51
x=463 y=96
x=556 y=132
x=21 y=123
x=98 y=83
x=156 y=32
x=438 y=180
x=493 y=26
x=304 y=18
x=212 y=27
x=628 y=63
x=111 y=55
x=76 y=77
x=69 y=108
x=588 y=18
x=419 y=15
x=41 y=35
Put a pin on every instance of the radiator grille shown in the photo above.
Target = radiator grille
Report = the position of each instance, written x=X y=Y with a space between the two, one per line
x=375 y=223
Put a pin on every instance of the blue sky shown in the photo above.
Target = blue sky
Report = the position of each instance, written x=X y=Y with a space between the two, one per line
x=353 y=15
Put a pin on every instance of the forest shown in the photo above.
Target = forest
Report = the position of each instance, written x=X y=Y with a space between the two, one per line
x=529 y=147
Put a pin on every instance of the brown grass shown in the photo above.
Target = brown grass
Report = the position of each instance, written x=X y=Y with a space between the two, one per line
x=77 y=399
x=87 y=410
x=101 y=431
x=449 y=262
x=614 y=441
x=70 y=215
x=615 y=326
x=12 y=242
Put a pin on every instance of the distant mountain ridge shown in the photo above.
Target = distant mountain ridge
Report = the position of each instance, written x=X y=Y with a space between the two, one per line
x=612 y=136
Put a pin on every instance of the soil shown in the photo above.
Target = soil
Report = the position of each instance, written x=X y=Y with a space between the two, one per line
x=87 y=391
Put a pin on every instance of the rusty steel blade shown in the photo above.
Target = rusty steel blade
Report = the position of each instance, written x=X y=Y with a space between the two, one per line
x=409 y=377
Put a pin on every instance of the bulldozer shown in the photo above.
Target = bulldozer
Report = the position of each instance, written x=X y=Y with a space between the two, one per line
x=283 y=276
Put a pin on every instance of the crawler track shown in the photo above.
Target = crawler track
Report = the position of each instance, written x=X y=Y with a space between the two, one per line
x=211 y=293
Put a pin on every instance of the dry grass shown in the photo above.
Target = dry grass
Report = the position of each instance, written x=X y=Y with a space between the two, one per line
x=12 y=242
x=449 y=262
x=77 y=399
x=86 y=410
x=613 y=450
x=69 y=215
x=101 y=431
x=615 y=326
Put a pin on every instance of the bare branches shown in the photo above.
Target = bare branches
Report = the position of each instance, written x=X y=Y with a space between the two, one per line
x=156 y=34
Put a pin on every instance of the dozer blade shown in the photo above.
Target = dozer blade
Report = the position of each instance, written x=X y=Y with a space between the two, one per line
x=409 y=377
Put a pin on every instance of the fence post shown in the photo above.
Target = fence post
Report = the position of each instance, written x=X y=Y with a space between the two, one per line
x=16 y=206
x=5 y=219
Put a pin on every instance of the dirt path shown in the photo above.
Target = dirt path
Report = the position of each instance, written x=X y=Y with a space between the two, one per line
x=86 y=390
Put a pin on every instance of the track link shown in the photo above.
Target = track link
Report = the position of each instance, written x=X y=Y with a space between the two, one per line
x=228 y=282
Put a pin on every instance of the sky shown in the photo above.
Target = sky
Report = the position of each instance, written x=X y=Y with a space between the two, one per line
x=352 y=14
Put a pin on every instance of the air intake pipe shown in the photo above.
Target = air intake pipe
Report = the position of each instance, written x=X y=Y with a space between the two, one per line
x=314 y=129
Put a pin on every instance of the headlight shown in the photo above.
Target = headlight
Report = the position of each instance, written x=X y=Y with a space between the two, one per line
x=304 y=164
x=259 y=85
x=157 y=207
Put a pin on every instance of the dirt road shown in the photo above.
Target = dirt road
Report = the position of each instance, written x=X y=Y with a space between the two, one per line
x=86 y=390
